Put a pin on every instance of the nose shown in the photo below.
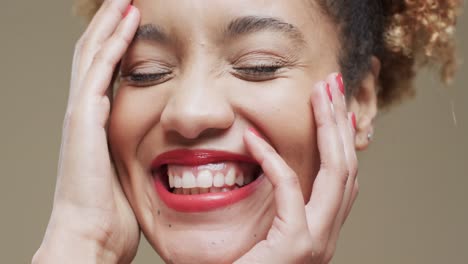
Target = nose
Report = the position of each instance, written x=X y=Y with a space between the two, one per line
x=196 y=107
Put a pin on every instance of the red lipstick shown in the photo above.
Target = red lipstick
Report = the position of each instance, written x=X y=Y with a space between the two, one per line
x=205 y=201
x=191 y=157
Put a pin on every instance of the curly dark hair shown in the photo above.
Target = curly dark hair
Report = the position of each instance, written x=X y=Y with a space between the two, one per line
x=404 y=34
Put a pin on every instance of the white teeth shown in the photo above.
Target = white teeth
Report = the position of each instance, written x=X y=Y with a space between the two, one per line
x=240 y=179
x=177 y=182
x=188 y=180
x=195 y=191
x=205 y=179
x=218 y=180
x=171 y=181
x=230 y=178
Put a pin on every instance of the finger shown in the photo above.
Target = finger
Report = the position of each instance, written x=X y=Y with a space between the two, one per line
x=106 y=19
x=288 y=195
x=100 y=73
x=328 y=188
x=354 y=196
x=347 y=136
x=351 y=157
x=100 y=28
x=346 y=129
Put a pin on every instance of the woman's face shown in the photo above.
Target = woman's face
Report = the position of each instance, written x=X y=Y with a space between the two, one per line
x=198 y=74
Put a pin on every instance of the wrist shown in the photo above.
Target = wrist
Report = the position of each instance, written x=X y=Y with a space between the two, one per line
x=62 y=245
x=72 y=252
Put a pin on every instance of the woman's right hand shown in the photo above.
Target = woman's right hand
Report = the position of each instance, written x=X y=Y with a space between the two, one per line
x=308 y=232
x=91 y=220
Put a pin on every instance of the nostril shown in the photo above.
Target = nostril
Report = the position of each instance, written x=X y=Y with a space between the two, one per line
x=196 y=111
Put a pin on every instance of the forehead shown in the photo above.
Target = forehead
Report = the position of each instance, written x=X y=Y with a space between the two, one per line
x=212 y=14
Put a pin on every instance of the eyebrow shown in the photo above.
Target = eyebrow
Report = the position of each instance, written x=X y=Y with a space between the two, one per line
x=237 y=27
x=253 y=24
x=151 y=32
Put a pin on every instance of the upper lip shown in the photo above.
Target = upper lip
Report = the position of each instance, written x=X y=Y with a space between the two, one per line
x=194 y=157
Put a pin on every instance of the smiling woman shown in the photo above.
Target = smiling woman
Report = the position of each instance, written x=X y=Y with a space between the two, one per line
x=231 y=131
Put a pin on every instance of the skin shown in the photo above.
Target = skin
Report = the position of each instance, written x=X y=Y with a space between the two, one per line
x=305 y=148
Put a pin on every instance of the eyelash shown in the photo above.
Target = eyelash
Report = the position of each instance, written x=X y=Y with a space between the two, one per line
x=146 y=78
x=259 y=69
x=253 y=73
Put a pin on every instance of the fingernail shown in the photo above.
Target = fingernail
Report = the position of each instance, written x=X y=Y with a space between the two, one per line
x=129 y=7
x=255 y=132
x=353 y=119
x=339 y=80
x=329 y=92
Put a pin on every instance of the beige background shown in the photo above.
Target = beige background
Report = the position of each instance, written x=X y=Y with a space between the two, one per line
x=413 y=206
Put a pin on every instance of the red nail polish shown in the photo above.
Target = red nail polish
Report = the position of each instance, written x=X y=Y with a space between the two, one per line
x=339 y=80
x=329 y=92
x=253 y=130
x=353 y=119
x=129 y=7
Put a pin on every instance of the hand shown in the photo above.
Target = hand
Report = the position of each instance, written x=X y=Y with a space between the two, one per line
x=309 y=233
x=91 y=220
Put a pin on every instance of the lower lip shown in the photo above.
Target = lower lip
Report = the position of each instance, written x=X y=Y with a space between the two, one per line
x=203 y=202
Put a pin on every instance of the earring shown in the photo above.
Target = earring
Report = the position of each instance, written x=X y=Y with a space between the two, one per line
x=370 y=136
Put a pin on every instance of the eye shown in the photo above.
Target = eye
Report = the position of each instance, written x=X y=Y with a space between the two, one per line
x=146 y=78
x=257 y=73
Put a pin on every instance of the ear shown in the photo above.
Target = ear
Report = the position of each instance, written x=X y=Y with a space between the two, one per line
x=364 y=104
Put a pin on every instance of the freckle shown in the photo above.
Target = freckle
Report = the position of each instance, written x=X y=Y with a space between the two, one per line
x=159 y=212
x=170 y=225
x=255 y=235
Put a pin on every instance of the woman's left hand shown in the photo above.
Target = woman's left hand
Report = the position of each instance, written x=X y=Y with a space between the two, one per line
x=308 y=233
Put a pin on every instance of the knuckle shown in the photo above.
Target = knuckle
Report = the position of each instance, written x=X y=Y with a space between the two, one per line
x=341 y=173
x=344 y=171
x=317 y=252
x=353 y=170
x=306 y=244
x=291 y=178
x=304 y=247
x=102 y=57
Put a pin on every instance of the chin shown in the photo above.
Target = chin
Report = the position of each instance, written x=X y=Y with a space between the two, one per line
x=221 y=235
x=188 y=220
x=202 y=247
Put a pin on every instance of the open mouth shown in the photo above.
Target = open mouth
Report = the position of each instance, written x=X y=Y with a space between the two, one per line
x=208 y=178
x=204 y=180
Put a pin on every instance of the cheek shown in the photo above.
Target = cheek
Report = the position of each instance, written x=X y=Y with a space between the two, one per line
x=134 y=112
x=282 y=112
